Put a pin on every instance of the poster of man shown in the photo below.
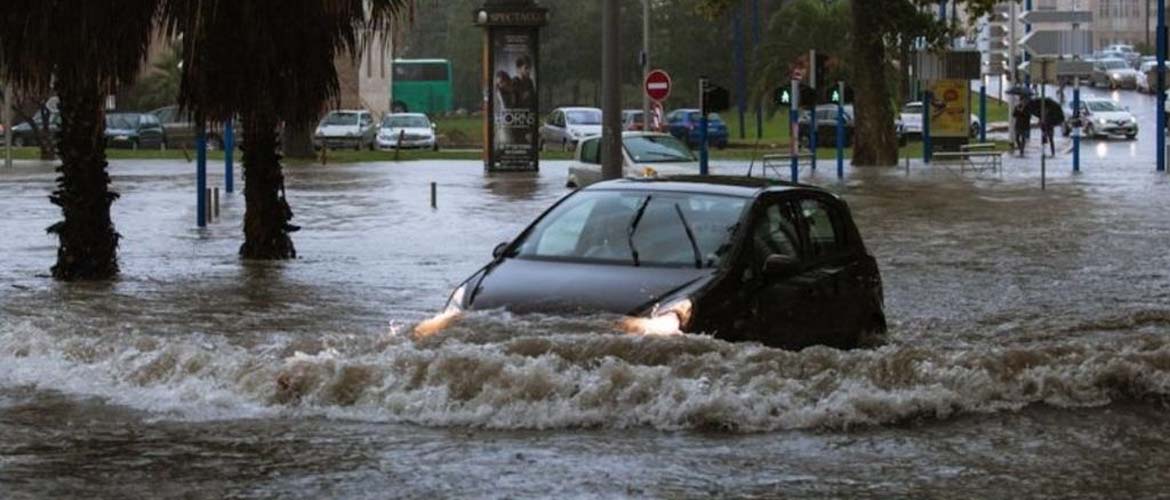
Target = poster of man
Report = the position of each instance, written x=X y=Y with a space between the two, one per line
x=514 y=99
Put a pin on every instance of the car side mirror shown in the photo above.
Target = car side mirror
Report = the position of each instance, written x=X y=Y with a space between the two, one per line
x=499 y=250
x=779 y=266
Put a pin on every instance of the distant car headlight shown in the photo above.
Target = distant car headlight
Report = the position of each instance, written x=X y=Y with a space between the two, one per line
x=670 y=318
x=1117 y=76
x=1102 y=121
x=121 y=137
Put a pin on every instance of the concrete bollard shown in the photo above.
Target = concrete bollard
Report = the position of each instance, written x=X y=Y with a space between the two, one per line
x=215 y=202
x=434 y=195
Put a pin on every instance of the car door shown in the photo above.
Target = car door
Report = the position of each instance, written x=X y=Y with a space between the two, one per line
x=834 y=267
x=783 y=310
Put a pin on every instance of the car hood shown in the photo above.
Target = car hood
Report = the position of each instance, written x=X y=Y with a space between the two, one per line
x=338 y=130
x=390 y=131
x=585 y=130
x=534 y=286
x=1112 y=115
x=120 y=131
x=1123 y=72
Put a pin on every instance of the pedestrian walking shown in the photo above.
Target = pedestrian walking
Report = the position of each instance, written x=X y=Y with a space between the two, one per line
x=1023 y=122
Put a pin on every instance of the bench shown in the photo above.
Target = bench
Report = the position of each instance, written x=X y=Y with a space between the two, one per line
x=980 y=157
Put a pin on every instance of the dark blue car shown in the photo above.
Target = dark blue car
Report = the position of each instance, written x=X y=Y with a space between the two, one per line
x=684 y=124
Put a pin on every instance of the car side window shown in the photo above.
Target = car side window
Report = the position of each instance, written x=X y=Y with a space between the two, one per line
x=822 y=227
x=591 y=152
x=773 y=232
x=366 y=120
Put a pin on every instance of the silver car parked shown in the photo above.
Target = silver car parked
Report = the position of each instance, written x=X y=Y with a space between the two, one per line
x=565 y=126
x=346 y=128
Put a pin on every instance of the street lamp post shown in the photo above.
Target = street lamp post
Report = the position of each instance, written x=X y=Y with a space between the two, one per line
x=611 y=109
x=645 y=62
x=1161 y=111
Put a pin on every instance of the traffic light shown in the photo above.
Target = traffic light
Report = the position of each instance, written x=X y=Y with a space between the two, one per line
x=715 y=99
x=782 y=96
x=835 y=97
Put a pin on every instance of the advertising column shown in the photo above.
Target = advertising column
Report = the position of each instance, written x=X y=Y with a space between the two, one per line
x=511 y=83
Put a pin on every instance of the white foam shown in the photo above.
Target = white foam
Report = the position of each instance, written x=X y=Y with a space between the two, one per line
x=544 y=379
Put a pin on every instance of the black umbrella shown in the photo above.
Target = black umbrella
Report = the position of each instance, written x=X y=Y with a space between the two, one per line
x=1051 y=108
x=1020 y=90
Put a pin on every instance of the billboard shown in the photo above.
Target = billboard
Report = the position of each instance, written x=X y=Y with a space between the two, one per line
x=949 y=116
x=513 y=101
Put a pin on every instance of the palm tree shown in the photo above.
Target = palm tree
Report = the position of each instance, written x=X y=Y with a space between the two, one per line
x=268 y=62
x=84 y=50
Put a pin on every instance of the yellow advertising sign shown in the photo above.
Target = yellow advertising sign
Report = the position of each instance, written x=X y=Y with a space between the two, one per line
x=949 y=116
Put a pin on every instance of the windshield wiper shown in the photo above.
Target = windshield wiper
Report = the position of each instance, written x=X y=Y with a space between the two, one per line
x=690 y=236
x=634 y=227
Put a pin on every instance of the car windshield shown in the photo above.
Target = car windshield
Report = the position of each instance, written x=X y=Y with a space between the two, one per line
x=594 y=226
x=583 y=117
x=121 y=122
x=340 y=119
x=406 y=122
x=912 y=109
x=1103 y=106
x=1114 y=65
x=657 y=149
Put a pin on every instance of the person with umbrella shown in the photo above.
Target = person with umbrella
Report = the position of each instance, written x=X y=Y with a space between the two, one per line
x=1050 y=114
x=1023 y=124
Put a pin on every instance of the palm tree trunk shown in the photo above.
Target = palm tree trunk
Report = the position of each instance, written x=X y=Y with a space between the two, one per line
x=297 y=140
x=876 y=142
x=266 y=217
x=88 y=242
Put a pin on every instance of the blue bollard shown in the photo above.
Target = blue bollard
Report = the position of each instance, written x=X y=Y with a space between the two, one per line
x=229 y=151
x=983 y=113
x=703 y=157
x=201 y=178
x=927 y=98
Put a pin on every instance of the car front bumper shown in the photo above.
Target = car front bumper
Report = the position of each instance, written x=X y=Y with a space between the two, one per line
x=408 y=143
x=1115 y=129
x=338 y=142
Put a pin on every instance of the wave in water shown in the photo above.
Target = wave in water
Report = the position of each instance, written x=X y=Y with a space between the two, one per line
x=495 y=371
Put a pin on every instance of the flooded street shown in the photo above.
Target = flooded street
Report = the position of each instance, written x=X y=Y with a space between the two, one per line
x=1029 y=351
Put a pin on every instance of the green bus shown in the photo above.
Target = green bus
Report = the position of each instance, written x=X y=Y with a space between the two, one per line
x=421 y=86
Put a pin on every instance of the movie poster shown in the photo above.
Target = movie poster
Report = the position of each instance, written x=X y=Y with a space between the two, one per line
x=514 y=99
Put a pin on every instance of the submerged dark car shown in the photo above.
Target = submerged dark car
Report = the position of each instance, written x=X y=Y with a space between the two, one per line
x=134 y=130
x=737 y=258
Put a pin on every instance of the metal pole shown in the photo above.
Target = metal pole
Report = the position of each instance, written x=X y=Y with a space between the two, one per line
x=229 y=152
x=1076 y=106
x=740 y=76
x=1013 y=70
x=927 y=97
x=1161 y=111
x=755 y=47
x=983 y=110
x=201 y=177
x=645 y=62
x=704 y=167
x=812 y=114
x=1027 y=56
x=840 y=130
x=611 y=154
x=8 y=126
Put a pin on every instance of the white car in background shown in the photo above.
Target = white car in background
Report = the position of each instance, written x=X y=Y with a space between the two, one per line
x=644 y=154
x=564 y=127
x=346 y=128
x=1105 y=118
x=911 y=118
x=407 y=130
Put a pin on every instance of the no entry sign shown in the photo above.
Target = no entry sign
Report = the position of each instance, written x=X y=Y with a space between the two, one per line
x=657 y=85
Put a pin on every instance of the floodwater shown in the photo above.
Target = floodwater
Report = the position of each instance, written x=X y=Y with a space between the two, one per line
x=1029 y=352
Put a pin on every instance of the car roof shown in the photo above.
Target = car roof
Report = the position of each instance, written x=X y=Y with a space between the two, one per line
x=577 y=108
x=727 y=185
x=350 y=111
x=422 y=115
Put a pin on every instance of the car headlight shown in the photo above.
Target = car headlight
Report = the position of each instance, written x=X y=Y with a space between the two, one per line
x=121 y=138
x=455 y=302
x=1102 y=121
x=669 y=318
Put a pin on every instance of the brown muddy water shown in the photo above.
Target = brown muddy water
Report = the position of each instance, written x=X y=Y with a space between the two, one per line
x=1029 y=353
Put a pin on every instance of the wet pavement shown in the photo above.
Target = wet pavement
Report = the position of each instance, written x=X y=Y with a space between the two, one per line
x=1028 y=353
